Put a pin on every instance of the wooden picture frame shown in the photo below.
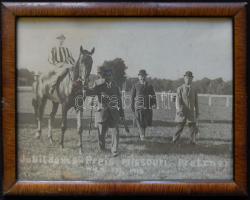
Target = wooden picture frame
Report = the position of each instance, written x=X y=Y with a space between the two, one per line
x=12 y=11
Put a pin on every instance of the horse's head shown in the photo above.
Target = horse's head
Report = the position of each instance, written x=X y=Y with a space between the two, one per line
x=84 y=65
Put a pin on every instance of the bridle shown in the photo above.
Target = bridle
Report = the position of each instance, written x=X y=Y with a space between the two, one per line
x=79 y=77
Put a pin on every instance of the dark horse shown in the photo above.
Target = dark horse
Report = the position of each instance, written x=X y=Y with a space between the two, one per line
x=68 y=87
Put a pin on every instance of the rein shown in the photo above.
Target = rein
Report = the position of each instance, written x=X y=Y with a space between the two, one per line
x=74 y=74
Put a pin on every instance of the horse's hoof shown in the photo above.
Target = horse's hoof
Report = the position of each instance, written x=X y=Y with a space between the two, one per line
x=37 y=135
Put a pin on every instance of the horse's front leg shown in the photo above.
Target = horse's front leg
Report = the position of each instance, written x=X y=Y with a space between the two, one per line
x=80 y=127
x=64 y=122
x=51 y=120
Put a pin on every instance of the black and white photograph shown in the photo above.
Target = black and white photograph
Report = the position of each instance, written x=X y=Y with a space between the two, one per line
x=124 y=99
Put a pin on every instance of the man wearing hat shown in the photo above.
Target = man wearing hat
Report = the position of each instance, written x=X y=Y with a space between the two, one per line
x=60 y=55
x=187 y=109
x=61 y=58
x=109 y=110
x=142 y=100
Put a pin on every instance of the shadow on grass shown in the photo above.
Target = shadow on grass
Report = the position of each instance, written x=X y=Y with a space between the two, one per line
x=28 y=118
x=165 y=146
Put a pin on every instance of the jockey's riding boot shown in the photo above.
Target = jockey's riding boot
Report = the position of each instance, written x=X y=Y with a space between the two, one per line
x=53 y=87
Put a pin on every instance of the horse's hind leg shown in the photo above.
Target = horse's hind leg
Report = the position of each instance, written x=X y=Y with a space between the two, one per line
x=40 y=109
x=35 y=106
x=80 y=128
x=64 y=122
x=51 y=120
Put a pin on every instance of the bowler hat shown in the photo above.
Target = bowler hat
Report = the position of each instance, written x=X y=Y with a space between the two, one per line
x=61 y=37
x=142 y=72
x=189 y=74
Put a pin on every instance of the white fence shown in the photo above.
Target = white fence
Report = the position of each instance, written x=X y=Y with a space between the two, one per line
x=165 y=97
x=212 y=107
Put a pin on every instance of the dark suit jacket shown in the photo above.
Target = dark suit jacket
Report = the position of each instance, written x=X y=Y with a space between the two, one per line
x=109 y=101
x=142 y=99
x=142 y=96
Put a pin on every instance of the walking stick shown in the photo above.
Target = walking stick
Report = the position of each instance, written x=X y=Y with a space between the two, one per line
x=198 y=127
x=197 y=131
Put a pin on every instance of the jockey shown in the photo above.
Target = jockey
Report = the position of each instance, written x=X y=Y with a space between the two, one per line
x=60 y=55
x=61 y=58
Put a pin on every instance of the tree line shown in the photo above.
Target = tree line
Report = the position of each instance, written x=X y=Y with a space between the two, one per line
x=118 y=66
x=204 y=86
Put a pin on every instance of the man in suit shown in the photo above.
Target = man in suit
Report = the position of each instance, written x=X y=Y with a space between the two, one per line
x=109 y=110
x=142 y=101
x=187 y=109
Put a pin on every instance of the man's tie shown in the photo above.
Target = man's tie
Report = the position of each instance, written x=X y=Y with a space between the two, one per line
x=188 y=90
x=108 y=84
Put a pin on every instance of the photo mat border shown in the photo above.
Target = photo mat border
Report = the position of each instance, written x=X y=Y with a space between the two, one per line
x=10 y=14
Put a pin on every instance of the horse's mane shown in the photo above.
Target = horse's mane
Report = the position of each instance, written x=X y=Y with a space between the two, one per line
x=76 y=68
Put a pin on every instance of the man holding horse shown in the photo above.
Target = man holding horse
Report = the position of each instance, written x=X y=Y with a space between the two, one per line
x=109 y=110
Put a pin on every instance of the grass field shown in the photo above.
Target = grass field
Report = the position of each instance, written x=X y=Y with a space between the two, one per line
x=156 y=158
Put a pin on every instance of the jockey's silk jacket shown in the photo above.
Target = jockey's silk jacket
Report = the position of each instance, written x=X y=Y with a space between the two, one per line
x=60 y=55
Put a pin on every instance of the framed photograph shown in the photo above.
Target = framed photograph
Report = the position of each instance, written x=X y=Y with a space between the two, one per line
x=124 y=98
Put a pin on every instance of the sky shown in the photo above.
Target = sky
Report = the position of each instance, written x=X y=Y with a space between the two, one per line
x=164 y=47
